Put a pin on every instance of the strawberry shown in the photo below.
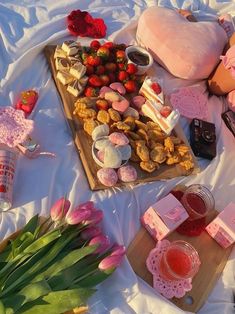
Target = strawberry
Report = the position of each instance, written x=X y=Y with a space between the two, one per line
x=89 y=69
x=120 y=46
x=3 y=188
x=110 y=67
x=93 y=60
x=102 y=104
x=130 y=86
x=100 y=69
x=165 y=111
x=122 y=66
x=156 y=88
x=109 y=45
x=94 y=80
x=95 y=44
x=112 y=77
x=103 y=52
x=120 y=56
x=123 y=76
x=131 y=68
x=84 y=55
x=105 y=79
x=91 y=91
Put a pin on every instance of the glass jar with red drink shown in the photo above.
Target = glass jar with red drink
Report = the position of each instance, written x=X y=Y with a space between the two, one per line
x=198 y=201
x=179 y=261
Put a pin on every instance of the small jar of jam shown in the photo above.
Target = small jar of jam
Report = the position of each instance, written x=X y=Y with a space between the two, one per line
x=198 y=201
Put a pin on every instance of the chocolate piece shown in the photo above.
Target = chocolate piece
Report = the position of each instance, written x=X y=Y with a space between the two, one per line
x=76 y=87
x=59 y=52
x=78 y=70
x=64 y=77
x=71 y=47
x=62 y=64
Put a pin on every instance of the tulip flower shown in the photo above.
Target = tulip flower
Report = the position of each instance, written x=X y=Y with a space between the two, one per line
x=110 y=263
x=90 y=233
x=94 y=218
x=87 y=205
x=59 y=209
x=118 y=250
x=103 y=242
x=75 y=217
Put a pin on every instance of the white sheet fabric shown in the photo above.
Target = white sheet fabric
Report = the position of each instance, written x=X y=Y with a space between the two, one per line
x=26 y=26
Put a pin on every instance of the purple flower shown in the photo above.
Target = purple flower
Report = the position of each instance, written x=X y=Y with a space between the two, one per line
x=90 y=232
x=59 y=209
x=103 y=242
x=110 y=263
x=76 y=216
x=94 y=218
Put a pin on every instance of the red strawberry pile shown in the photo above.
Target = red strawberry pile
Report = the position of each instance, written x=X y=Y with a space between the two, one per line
x=106 y=64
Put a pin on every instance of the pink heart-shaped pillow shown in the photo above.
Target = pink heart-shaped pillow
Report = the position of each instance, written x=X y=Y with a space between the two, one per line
x=189 y=50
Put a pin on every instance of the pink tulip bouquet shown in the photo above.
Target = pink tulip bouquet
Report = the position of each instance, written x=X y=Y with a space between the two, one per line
x=53 y=266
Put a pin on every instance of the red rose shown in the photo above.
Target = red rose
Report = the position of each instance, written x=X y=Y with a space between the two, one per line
x=81 y=23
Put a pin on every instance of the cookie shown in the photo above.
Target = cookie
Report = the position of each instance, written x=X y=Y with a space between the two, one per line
x=187 y=164
x=107 y=176
x=143 y=152
x=86 y=113
x=173 y=159
x=169 y=145
x=141 y=125
x=130 y=121
x=121 y=126
x=127 y=173
x=182 y=149
x=89 y=125
x=158 y=155
x=156 y=135
x=103 y=116
x=114 y=115
x=149 y=166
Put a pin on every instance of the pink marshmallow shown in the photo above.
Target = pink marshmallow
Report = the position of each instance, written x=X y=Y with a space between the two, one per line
x=118 y=138
x=127 y=173
x=119 y=87
x=107 y=176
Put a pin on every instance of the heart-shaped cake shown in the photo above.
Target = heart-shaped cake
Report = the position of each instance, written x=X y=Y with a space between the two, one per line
x=189 y=50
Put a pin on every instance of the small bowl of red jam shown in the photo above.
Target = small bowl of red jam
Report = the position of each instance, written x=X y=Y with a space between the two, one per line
x=140 y=57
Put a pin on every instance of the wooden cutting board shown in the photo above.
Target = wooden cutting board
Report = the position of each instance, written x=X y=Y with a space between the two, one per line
x=83 y=141
x=213 y=259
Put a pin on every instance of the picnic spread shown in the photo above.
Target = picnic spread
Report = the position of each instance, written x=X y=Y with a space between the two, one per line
x=116 y=158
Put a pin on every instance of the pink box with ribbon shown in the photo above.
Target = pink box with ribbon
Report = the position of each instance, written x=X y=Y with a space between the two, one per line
x=222 y=228
x=163 y=217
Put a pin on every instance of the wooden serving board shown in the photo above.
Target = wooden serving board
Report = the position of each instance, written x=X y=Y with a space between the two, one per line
x=83 y=141
x=213 y=259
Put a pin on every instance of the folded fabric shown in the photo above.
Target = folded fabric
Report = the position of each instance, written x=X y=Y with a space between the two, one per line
x=81 y=23
x=229 y=60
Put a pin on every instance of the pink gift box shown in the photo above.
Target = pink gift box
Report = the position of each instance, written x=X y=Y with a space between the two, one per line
x=222 y=228
x=163 y=217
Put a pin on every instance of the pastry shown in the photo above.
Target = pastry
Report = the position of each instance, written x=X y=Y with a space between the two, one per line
x=142 y=151
x=141 y=125
x=130 y=121
x=64 y=77
x=118 y=138
x=158 y=155
x=121 y=126
x=134 y=136
x=62 y=64
x=127 y=173
x=168 y=143
x=103 y=116
x=71 y=47
x=187 y=164
x=74 y=59
x=100 y=131
x=125 y=151
x=153 y=125
x=175 y=140
x=182 y=149
x=59 y=52
x=107 y=176
x=114 y=115
x=149 y=166
x=173 y=159
x=77 y=70
x=86 y=113
x=156 y=135
x=89 y=125
x=112 y=157
x=143 y=134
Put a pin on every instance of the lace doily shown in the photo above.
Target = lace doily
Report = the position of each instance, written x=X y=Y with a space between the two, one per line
x=168 y=289
x=14 y=128
x=191 y=102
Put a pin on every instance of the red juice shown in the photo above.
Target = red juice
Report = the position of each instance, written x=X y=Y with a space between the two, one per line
x=176 y=264
x=196 y=203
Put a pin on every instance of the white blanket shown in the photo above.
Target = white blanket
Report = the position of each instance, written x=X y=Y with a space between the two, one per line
x=25 y=28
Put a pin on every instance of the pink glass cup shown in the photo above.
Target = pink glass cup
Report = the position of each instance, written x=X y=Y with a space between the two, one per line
x=198 y=201
x=179 y=261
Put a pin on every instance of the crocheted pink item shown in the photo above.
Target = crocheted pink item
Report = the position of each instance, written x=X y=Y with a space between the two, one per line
x=14 y=128
x=229 y=60
x=190 y=101
x=168 y=289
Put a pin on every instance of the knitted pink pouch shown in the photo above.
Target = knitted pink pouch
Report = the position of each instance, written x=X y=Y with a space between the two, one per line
x=229 y=60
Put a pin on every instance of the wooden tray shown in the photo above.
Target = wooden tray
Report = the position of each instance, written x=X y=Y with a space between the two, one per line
x=83 y=141
x=212 y=256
